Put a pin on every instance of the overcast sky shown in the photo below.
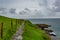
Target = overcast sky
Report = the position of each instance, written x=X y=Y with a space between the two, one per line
x=19 y=4
x=22 y=3
x=46 y=7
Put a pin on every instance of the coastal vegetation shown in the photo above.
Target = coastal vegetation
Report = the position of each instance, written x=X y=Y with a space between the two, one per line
x=31 y=32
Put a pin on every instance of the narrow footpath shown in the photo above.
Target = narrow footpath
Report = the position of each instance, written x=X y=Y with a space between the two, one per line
x=18 y=34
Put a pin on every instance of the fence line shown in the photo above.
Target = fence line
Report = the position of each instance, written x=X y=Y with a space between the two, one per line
x=11 y=25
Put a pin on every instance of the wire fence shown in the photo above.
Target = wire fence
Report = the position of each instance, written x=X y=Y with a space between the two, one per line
x=2 y=25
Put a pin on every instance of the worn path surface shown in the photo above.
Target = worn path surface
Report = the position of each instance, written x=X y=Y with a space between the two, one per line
x=18 y=34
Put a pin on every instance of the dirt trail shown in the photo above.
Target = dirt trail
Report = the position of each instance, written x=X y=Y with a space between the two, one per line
x=18 y=34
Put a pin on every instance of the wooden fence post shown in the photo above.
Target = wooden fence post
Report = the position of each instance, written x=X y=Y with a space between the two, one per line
x=11 y=24
x=2 y=30
x=16 y=21
x=19 y=21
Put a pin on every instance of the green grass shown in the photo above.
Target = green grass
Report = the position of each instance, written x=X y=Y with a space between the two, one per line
x=8 y=31
x=31 y=32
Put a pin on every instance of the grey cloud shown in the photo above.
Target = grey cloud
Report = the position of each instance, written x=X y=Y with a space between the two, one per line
x=45 y=10
x=27 y=9
x=26 y=12
x=42 y=2
x=58 y=9
x=22 y=12
x=5 y=11
x=57 y=4
x=12 y=10
x=2 y=9
x=37 y=14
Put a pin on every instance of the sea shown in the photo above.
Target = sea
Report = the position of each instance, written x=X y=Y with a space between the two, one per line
x=55 y=24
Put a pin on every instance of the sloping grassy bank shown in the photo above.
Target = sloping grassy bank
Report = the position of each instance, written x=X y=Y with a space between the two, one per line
x=8 y=30
x=33 y=33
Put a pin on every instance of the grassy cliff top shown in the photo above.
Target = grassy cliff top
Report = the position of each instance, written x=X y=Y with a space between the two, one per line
x=33 y=33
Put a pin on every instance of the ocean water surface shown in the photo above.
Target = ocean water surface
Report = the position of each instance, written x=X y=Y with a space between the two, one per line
x=55 y=24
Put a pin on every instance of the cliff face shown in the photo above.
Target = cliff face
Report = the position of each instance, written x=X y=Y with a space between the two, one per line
x=32 y=33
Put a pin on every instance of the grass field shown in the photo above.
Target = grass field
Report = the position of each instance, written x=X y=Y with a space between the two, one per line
x=30 y=31
x=8 y=30
x=33 y=33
